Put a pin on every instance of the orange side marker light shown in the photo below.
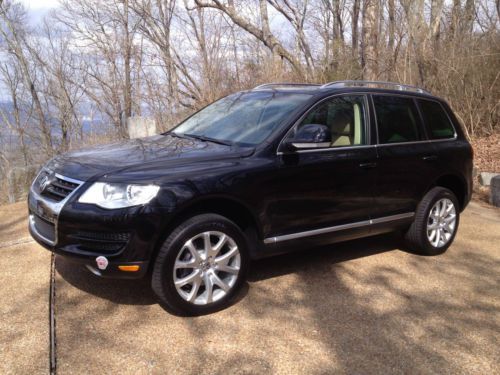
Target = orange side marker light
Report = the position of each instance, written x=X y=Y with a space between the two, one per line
x=129 y=268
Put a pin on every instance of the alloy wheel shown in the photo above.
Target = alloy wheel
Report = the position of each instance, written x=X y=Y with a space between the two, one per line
x=441 y=223
x=207 y=267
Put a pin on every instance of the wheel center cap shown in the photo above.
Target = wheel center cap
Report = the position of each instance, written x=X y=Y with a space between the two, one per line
x=205 y=266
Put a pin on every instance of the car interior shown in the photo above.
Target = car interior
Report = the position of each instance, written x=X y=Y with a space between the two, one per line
x=343 y=116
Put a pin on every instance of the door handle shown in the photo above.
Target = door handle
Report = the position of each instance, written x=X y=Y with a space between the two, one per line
x=368 y=165
x=429 y=158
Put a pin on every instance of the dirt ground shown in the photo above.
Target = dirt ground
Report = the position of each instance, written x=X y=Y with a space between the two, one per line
x=487 y=153
x=360 y=307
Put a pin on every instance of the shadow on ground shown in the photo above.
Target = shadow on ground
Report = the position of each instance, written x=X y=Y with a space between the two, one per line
x=138 y=292
x=127 y=292
x=357 y=307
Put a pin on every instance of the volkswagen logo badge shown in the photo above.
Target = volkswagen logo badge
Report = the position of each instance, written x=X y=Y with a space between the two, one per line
x=45 y=181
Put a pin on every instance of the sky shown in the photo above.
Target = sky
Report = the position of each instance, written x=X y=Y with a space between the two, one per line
x=38 y=8
x=35 y=5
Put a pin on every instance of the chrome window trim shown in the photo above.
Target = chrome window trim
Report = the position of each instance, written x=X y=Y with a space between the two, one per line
x=328 y=149
x=423 y=124
x=336 y=228
x=417 y=142
x=305 y=145
x=366 y=124
x=54 y=207
x=368 y=96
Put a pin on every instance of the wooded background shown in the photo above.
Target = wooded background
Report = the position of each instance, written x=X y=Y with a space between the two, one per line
x=75 y=76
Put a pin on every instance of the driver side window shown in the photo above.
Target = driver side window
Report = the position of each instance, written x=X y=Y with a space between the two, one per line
x=344 y=116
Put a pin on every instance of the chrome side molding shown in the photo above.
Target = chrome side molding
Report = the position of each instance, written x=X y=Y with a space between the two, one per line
x=336 y=228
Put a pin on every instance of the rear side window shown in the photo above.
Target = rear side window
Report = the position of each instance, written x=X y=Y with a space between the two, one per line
x=437 y=121
x=397 y=119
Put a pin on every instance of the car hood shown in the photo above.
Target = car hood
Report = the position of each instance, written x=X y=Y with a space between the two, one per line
x=165 y=150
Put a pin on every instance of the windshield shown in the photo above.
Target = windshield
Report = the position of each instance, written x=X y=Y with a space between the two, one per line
x=246 y=118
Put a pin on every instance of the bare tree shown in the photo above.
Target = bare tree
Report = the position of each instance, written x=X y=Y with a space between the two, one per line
x=99 y=62
x=296 y=14
x=13 y=18
x=424 y=36
x=262 y=33
x=106 y=31
x=13 y=119
x=60 y=85
x=369 y=55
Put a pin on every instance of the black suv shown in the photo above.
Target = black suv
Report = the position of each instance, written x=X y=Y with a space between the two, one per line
x=260 y=172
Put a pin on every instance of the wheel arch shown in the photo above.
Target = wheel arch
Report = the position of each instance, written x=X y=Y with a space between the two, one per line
x=456 y=184
x=227 y=207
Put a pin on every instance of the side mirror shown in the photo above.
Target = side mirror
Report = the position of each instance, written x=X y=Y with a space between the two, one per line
x=311 y=136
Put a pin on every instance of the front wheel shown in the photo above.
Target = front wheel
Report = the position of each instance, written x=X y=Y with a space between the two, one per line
x=436 y=222
x=201 y=265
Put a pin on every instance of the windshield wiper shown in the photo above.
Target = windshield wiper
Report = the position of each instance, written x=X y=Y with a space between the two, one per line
x=174 y=134
x=209 y=139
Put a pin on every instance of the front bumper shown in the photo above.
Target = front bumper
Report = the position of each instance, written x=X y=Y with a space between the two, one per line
x=90 y=261
x=82 y=233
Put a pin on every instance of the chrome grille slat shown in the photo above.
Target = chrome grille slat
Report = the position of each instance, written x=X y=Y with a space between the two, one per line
x=60 y=184
x=56 y=187
x=55 y=191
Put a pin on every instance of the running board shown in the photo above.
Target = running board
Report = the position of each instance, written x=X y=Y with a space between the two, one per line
x=314 y=232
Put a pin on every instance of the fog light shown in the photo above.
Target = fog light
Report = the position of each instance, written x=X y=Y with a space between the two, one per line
x=129 y=268
x=102 y=262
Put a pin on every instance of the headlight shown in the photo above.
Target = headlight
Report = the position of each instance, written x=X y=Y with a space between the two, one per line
x=118 y=195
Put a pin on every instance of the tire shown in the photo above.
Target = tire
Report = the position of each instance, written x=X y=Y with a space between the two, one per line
x=417 y=236
x=184 y=256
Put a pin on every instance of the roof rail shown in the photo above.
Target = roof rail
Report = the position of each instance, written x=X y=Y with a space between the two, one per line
x=381 y=84
x=284 y=84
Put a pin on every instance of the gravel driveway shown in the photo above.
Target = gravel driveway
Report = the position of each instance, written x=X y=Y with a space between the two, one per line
x=358 y=307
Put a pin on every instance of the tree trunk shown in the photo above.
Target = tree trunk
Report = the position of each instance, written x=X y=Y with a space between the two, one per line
x=392 y=26
x=369 y=60
x=127 y=92
x=455 y=18
x=354 y=29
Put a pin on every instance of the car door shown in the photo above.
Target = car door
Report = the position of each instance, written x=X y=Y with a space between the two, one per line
x=406 y=160
x=331 y=186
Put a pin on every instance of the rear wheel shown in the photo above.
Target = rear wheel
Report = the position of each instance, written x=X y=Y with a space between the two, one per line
x=201 y=265
x=436 y=222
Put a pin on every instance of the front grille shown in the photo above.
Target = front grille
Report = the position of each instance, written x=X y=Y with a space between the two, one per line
x=46 y=229
x=54 y=187
x=100 y=242
x=101 y=236
x=100 y=248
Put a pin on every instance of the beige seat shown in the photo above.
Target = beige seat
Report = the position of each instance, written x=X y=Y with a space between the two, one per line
x=346 y=127
x=341 y=130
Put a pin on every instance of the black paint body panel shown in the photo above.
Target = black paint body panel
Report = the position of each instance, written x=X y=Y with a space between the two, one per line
x=281 y=191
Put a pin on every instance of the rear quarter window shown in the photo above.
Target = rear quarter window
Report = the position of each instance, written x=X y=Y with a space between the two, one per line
x=397 y=119
x=437 y=121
